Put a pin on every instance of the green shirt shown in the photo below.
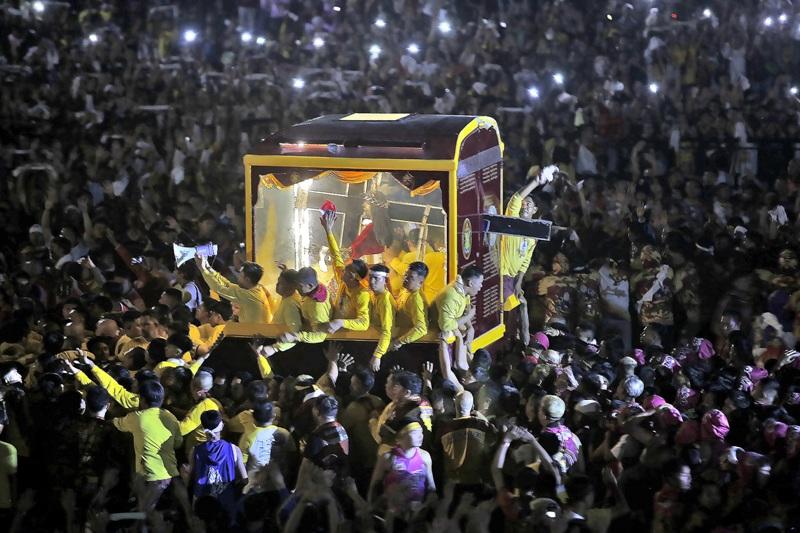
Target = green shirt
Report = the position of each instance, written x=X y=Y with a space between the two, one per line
x=156 y=436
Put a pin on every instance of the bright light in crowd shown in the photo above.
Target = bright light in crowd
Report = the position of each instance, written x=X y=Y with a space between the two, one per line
x=318 y=42
x=768 y=22
x=558 y=78
x=793 y=91
x=374 y=50
x=247 y=37
x=301 y=144
x=653 y=88
x=413 y=48
x=38 y=6
x=261 y=40
x=298 y=83
x=504 y=25
x=93 y=38
x=379 y=22
x=445 y=27
x=337 y=8
x=783 y=18
x=190 y=36
x=707 y=13
x=609 y=16
x=533 y=92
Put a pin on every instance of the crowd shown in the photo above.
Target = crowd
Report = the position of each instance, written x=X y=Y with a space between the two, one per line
x=656 y=387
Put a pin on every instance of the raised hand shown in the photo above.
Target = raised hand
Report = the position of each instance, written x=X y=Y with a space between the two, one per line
x=331 y=351
x=397 y=368
x=345 y=361
x=427 y=371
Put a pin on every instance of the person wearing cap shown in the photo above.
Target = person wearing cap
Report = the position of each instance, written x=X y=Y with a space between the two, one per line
x=315 y=311
x=412 y=309
x=216 y=465
x=568 y=454
x=254 y=300
x=540 y=342
x=350 y=297
x=405 y=471
x=516 y=253
x=383 y=310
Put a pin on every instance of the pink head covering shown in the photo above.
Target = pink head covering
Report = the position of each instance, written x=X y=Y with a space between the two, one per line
x=714 y=426
x=638 y=354
x=669 y=416
x=774 y=430
x=705 y=350
x=540 y=338
x=653 y=402
x=688 y=433
x=755 y=373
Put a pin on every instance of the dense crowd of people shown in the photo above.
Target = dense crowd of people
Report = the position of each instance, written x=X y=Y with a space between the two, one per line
x=656 y=385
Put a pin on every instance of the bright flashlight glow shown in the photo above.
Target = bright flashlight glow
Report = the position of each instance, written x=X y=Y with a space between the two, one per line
x=301 y=144
x=504 y=25
x=374 y=50
x=609 y=16
x=298 y=83
x=653 y=88
x=558 y=78
x=93 y=37
x=445 y=27
x=247 y=37
x=318 y=42
x=793 y=91
x=768 y=22
x=261 y=40
x=533 y=92
x=413 y=48
x=38 y=6
x=707 y=13
x=190 y=36
x=337 y=8
x=379 y=22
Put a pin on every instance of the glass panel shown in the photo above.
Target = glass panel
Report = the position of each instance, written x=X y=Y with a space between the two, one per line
x=377 y=220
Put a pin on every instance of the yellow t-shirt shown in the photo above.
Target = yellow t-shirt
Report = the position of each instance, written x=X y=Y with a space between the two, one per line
x=351 y=305
x=190 y=426
x=451 y=305
x=516 y=251
x=288 y=313
x=156 y=436
x=255 y=305
x=205 y=334
x=383 y=307
x=412 y=316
